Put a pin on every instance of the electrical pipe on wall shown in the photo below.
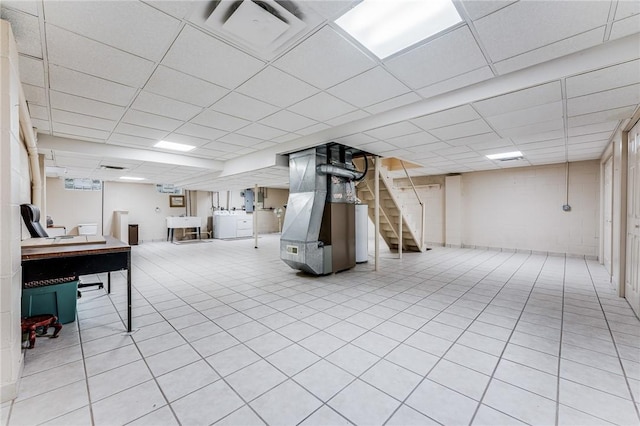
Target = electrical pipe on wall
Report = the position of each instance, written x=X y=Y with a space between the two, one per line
x=30 y=141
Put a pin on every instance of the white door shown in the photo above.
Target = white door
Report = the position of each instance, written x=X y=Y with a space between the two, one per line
x=632 y=281
x=608 y=214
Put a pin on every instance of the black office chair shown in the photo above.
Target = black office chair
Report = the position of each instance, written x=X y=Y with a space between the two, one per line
x=31 y=216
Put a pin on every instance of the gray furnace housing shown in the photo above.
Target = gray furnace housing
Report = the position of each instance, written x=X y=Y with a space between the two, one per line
x=318 y=235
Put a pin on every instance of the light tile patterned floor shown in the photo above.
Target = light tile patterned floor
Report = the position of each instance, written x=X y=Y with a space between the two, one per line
x=230 y=335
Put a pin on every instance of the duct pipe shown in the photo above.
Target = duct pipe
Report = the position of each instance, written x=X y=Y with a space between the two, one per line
x=329 y=169
x=30 y=141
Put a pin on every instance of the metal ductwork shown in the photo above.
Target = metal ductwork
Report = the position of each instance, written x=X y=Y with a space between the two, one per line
x=318 y=235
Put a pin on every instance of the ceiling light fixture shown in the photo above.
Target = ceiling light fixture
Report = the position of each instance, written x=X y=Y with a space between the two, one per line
x=515 y=155
x=131 y=178
x=386 y=27
x=174 y=146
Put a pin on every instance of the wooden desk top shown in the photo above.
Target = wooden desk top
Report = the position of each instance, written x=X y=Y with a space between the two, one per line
x=109 y=245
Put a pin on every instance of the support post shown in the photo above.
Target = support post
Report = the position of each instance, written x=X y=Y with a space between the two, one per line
x=376 y=190
x=255 y=217
x=400 y=239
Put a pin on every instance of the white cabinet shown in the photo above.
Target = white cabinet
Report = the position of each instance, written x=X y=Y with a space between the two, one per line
x=232 y=225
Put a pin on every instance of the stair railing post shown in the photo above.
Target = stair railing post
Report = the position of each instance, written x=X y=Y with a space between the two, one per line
x=400 y=239
x=422 y=205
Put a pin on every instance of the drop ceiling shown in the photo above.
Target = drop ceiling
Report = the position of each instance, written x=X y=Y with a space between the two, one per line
x=106 y=80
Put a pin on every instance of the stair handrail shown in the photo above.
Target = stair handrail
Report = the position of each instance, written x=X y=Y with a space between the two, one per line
x=422 y=206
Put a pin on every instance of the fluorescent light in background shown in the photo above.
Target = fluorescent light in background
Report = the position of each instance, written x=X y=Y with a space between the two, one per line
x=174 y=146
x=388 y=26
x=505 y=155
x=131 y=178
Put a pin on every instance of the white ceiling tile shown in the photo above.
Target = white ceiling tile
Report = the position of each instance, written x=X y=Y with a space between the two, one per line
x=552 y=143
x=377 y=147
x=356 y=140
x=61 y=129
x=41 y=125
x=277 y=88
x=447 y=56
x=537 y=24
x=394 y=130
x=31 y=71
x=66 y=102
x=208 y=58
x=322 y=107
x=155 y=104
x=219 y=121
x=82 y=120
x=359 y=90
x=610 y=99
x=261 y=131
x=457 y=82
x=492 y=145
x=472 y=140
x=287 y=120
x=412 y=140
x=243 y=107
x=131 y=26
x=546 y=126
x=552 y=51
x=34 y=94
x=145 y=119
x=241 y=140
x=313 y=129
x=27 y=6
x=522 y=99
x=129 y=140
x=200 y=131
x=81 y=54
x=332 y=9
x=225 y=147
x=186 y=139
x=479 y=8
x=627 y=8
x=285 y=138
x=593 y=128
x=469 y=128
x=183 y=87
x=446 y=118
x=348 y=117
x=325 y=59
x=176 y=8
x=143 y=132
x=539 y=136
x=625 y=27
x=537 y=114
x=593 y=137
x=389 y=104
x=601 y=116
x=604 y=79
x=26 y=31
x=77 y=83
x=38 y=111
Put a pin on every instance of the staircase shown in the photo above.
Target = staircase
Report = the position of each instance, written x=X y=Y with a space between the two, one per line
x=390 y=202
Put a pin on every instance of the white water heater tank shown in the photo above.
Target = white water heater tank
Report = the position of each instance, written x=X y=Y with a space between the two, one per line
x=362 y=233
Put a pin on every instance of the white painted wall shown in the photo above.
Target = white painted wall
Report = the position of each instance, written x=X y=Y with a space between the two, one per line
x=141 y=200
x=69 y=208
x=521 y=208
x=14 y=190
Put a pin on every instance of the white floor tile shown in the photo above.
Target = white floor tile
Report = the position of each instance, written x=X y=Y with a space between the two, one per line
x=232 y=359
x=519 y=403
x=407 y=416
x=287 y=404
x=442 y=404
x=207 y=405
x=128 y=405
x=392 y=379
x=244 y=416
x=323 y=379
x=187 y=379
x=352 y=359
x=254 y=380
x=293 y=359
x=373 y=408
x=461 y=379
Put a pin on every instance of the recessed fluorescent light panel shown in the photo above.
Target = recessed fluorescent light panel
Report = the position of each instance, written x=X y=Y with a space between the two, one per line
x=131 y=178
x=505 y=156
x=174 y=146
x=388 y=26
